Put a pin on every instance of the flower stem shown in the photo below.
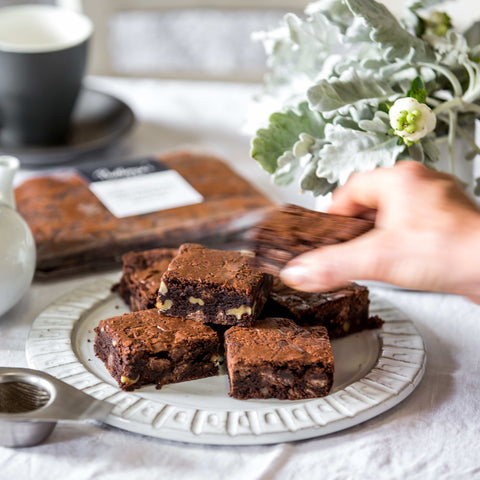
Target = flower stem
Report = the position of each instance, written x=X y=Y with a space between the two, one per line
x=433 y=101
x=457 y=103
x=471 y=107
x=450 y=104
x=449 y=75
x=468 y=139
x=473 y=91
x=452 y=117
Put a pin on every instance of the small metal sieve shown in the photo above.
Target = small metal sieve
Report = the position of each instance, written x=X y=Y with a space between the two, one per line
x=21 y=397
x=31 y=403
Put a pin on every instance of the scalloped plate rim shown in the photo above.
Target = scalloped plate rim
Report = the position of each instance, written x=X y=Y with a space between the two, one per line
x=298 y=420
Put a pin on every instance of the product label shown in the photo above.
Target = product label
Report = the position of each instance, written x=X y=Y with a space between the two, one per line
x=139 y=186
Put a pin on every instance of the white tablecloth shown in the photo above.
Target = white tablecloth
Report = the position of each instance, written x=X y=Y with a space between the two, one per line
x=433 y=434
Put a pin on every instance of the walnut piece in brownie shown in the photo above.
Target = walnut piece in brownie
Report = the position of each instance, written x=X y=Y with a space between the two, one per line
x=213 y=286
x=141 y=275
x=147 y=347
x=341 y=312
x=291 y=230
x=277 y=358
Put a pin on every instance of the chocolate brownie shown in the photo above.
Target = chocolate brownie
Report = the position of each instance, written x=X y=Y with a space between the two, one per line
x=74 y=232
x=147 y=347
x=213 y=286
x=341 y=312
x=277 y=358
x=291 y=230
x=141 y=274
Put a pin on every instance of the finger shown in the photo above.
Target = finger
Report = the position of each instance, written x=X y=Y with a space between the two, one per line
x=360 y=194
x=366 y=191
x=474 y=298
x=334 y=266
x=378 y=255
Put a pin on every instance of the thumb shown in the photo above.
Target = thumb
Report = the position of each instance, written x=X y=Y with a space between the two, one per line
x=365 y=258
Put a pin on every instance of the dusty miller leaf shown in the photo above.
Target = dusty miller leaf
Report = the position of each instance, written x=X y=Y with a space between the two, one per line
x=309 y=181
x=350 y=88
x=389 y=33
x=351 y=151
x=288 y=165
x=472 y=35
x=431 y=151
x=283 y=132
x=335 y=11
x=423 y=4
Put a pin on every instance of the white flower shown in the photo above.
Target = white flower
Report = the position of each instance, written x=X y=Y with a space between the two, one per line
x=411 y=119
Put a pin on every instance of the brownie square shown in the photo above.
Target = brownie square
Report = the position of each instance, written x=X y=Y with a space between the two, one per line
x=291 y=230
x=147 y=347
x=213 y=286
x=341 y=312
x=279 y=359
x=141 y=275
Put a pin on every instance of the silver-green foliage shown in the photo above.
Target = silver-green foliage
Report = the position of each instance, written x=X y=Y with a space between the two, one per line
x=335 y=73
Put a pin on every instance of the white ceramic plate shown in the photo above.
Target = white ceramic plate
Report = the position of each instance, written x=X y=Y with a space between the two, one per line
x=374 y=371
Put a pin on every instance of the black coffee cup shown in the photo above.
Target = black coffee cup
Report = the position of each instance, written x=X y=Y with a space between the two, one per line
x=43 y=55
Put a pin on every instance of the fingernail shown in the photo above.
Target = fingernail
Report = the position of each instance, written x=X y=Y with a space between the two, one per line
x=296 y=275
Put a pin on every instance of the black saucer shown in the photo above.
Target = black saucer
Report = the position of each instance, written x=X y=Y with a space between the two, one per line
x=99 y=119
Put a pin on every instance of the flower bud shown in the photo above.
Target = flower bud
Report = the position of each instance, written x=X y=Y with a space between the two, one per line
x=411 y=119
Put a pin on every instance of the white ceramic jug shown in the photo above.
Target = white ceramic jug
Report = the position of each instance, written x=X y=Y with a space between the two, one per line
x=17 y=247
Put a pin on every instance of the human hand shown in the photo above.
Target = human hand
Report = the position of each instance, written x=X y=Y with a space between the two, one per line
x=426 y=235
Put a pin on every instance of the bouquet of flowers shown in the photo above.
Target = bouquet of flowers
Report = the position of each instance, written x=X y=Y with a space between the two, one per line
x=355 y=89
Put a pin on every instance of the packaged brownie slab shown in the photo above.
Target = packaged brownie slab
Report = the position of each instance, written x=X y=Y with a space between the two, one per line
x=75 y=230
